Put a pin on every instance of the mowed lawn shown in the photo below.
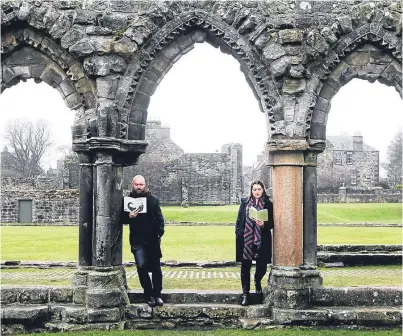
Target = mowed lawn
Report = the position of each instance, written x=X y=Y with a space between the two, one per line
x=182 y=243
x=387 y=213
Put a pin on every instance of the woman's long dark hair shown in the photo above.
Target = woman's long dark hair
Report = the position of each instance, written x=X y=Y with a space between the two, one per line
x=265 y=197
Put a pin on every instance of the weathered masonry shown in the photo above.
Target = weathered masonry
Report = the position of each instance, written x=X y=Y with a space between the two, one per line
x=106 y=59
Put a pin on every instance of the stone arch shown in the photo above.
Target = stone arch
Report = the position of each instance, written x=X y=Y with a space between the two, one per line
x=28 y=53
x=369 y=52
x=166 y=46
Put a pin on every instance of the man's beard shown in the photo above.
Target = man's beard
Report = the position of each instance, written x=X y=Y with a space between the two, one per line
x=139 y=193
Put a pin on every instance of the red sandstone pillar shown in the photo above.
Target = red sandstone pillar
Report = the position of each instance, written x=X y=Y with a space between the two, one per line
x=287 y=202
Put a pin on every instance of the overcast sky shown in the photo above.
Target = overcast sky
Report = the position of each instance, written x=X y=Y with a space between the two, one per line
x=207 y=102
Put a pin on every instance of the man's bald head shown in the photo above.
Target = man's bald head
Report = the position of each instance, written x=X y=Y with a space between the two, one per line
x=139 y=178
x=139 y=184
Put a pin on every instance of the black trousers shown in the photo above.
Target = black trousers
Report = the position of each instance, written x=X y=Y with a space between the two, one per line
x=261 y=269
x=151 y=287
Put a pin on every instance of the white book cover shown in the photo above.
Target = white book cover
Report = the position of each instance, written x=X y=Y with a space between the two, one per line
x=131 y=204
x=261 y=215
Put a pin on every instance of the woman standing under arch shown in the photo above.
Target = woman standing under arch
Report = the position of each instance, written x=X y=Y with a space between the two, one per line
x=253 y=239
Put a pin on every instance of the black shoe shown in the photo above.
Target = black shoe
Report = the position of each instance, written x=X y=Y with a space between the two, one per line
x=259 y=294
x=245 y=300
x=150 y=301
x=158 y=301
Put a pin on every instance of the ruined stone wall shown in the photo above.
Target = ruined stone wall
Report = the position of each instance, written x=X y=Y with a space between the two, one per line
x=178 y=178
x=69 y=176
x=48 y=206
x=207 y=178
x=350 y=195
x=191 y=179
x=28 y=183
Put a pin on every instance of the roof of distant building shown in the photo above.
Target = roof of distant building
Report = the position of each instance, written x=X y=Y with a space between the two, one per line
x=342 y=142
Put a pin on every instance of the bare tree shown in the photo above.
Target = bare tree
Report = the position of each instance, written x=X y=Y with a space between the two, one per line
x=65 y=152
x=27 y=142
x=393 y=164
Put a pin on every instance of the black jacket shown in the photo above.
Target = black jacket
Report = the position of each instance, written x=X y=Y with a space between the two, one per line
x=148 y=228
x=265 y=250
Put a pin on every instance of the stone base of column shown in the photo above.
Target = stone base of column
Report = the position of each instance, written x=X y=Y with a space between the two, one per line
x=100 y=287
x=80 y=284
x=291 y=287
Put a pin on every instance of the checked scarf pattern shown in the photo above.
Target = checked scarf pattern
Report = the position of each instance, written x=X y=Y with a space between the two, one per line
x=253 y=233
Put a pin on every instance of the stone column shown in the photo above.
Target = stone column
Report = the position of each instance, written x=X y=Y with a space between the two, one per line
x=287 y=202
x=290 y=281
x=106 y=288
x=86 y=210
x=310 y=209
x=85 y=231
x=117 y=227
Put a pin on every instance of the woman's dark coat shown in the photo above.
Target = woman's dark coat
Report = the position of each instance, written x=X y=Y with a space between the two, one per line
x=265 y=250
x=146 y=230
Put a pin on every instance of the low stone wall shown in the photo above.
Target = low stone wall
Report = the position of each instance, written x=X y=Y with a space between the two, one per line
x=375 y=195
x=48 y=206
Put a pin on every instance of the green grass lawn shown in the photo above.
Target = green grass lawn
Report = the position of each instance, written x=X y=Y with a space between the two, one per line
x=295 y=331
x=341 y=277
x=183 y=243
x=388 y=213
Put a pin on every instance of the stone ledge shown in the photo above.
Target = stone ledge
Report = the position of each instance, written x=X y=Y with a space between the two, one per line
x=190 y=297
x=360 y=259
x=359 y=248
x=357 y=296
x=362 y=316
x=36 y=294
x=24 y=314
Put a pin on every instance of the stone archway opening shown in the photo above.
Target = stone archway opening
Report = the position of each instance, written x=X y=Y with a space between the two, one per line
x=368 y=61
x=211 y=178
x=29 y=54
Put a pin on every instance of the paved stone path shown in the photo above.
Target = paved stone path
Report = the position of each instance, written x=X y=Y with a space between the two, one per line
x=65 y=274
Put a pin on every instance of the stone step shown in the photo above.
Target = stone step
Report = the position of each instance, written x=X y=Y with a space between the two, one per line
x=188 y=296
x=195 y=311
x=361 y=316
x=35 y=294
x=31 y=314
x=361 y=259
x=73 y=317
x=357 y=296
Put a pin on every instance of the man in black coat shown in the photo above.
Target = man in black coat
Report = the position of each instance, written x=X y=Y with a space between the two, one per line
x=146 y=230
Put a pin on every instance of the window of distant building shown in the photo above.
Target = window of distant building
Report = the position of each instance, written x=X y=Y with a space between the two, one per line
x=337 y=158
x=349 y=159
x=353 y=180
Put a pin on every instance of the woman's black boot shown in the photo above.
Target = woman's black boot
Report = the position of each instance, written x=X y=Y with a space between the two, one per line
x=245 y=299
x=245 y=281
x=259 y=291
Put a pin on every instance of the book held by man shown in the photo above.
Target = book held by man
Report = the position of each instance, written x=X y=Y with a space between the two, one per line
x=132 y=204
x=261 y=215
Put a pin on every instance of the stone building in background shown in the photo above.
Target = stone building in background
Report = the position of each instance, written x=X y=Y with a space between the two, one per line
x=346 y=162
x=179 y=178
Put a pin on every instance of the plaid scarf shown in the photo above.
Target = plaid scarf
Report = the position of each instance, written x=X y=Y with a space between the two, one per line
x=253 y=233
